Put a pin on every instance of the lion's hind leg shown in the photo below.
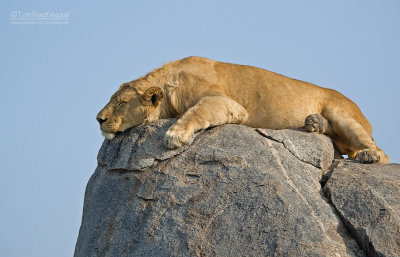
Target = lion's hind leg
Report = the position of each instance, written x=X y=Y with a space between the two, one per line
x=343 y=149
x=354 y=137
x=315 y=123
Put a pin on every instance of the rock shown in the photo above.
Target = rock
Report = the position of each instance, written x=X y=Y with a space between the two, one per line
x=236 y=191
x=367 y=198
x=137 y=150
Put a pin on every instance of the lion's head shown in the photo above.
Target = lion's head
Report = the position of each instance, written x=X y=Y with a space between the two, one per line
x=129 y=107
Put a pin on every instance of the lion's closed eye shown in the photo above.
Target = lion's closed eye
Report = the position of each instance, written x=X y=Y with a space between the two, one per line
x=121 y=103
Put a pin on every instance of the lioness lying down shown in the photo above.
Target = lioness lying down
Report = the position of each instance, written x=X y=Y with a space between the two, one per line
x=204 y=93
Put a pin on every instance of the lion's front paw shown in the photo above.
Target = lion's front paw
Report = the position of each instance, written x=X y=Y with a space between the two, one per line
x=177 y=136
x=316 y=123
x=369 y=156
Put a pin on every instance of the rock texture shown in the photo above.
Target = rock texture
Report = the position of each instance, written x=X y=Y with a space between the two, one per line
x=236 y=191
x=368 y=199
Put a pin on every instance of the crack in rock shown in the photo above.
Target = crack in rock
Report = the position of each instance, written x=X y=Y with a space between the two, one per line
x=308 y=147
x=365 y=197
x=287 y=148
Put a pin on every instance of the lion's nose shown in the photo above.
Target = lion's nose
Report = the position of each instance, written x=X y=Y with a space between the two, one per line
x=101 y=121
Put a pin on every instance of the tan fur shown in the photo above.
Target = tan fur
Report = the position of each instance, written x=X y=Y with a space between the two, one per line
x=204 y=93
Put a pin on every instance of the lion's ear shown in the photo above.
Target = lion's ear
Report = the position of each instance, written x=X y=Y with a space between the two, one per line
x=124 y=85
x=152 y=96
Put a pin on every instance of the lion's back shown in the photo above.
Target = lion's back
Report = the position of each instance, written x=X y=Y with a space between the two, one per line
x=271 y=99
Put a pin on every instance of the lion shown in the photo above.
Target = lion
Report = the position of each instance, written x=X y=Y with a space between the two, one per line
x=204 y=93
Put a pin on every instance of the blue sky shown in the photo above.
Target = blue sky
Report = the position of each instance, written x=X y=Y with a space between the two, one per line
x=55 y=78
